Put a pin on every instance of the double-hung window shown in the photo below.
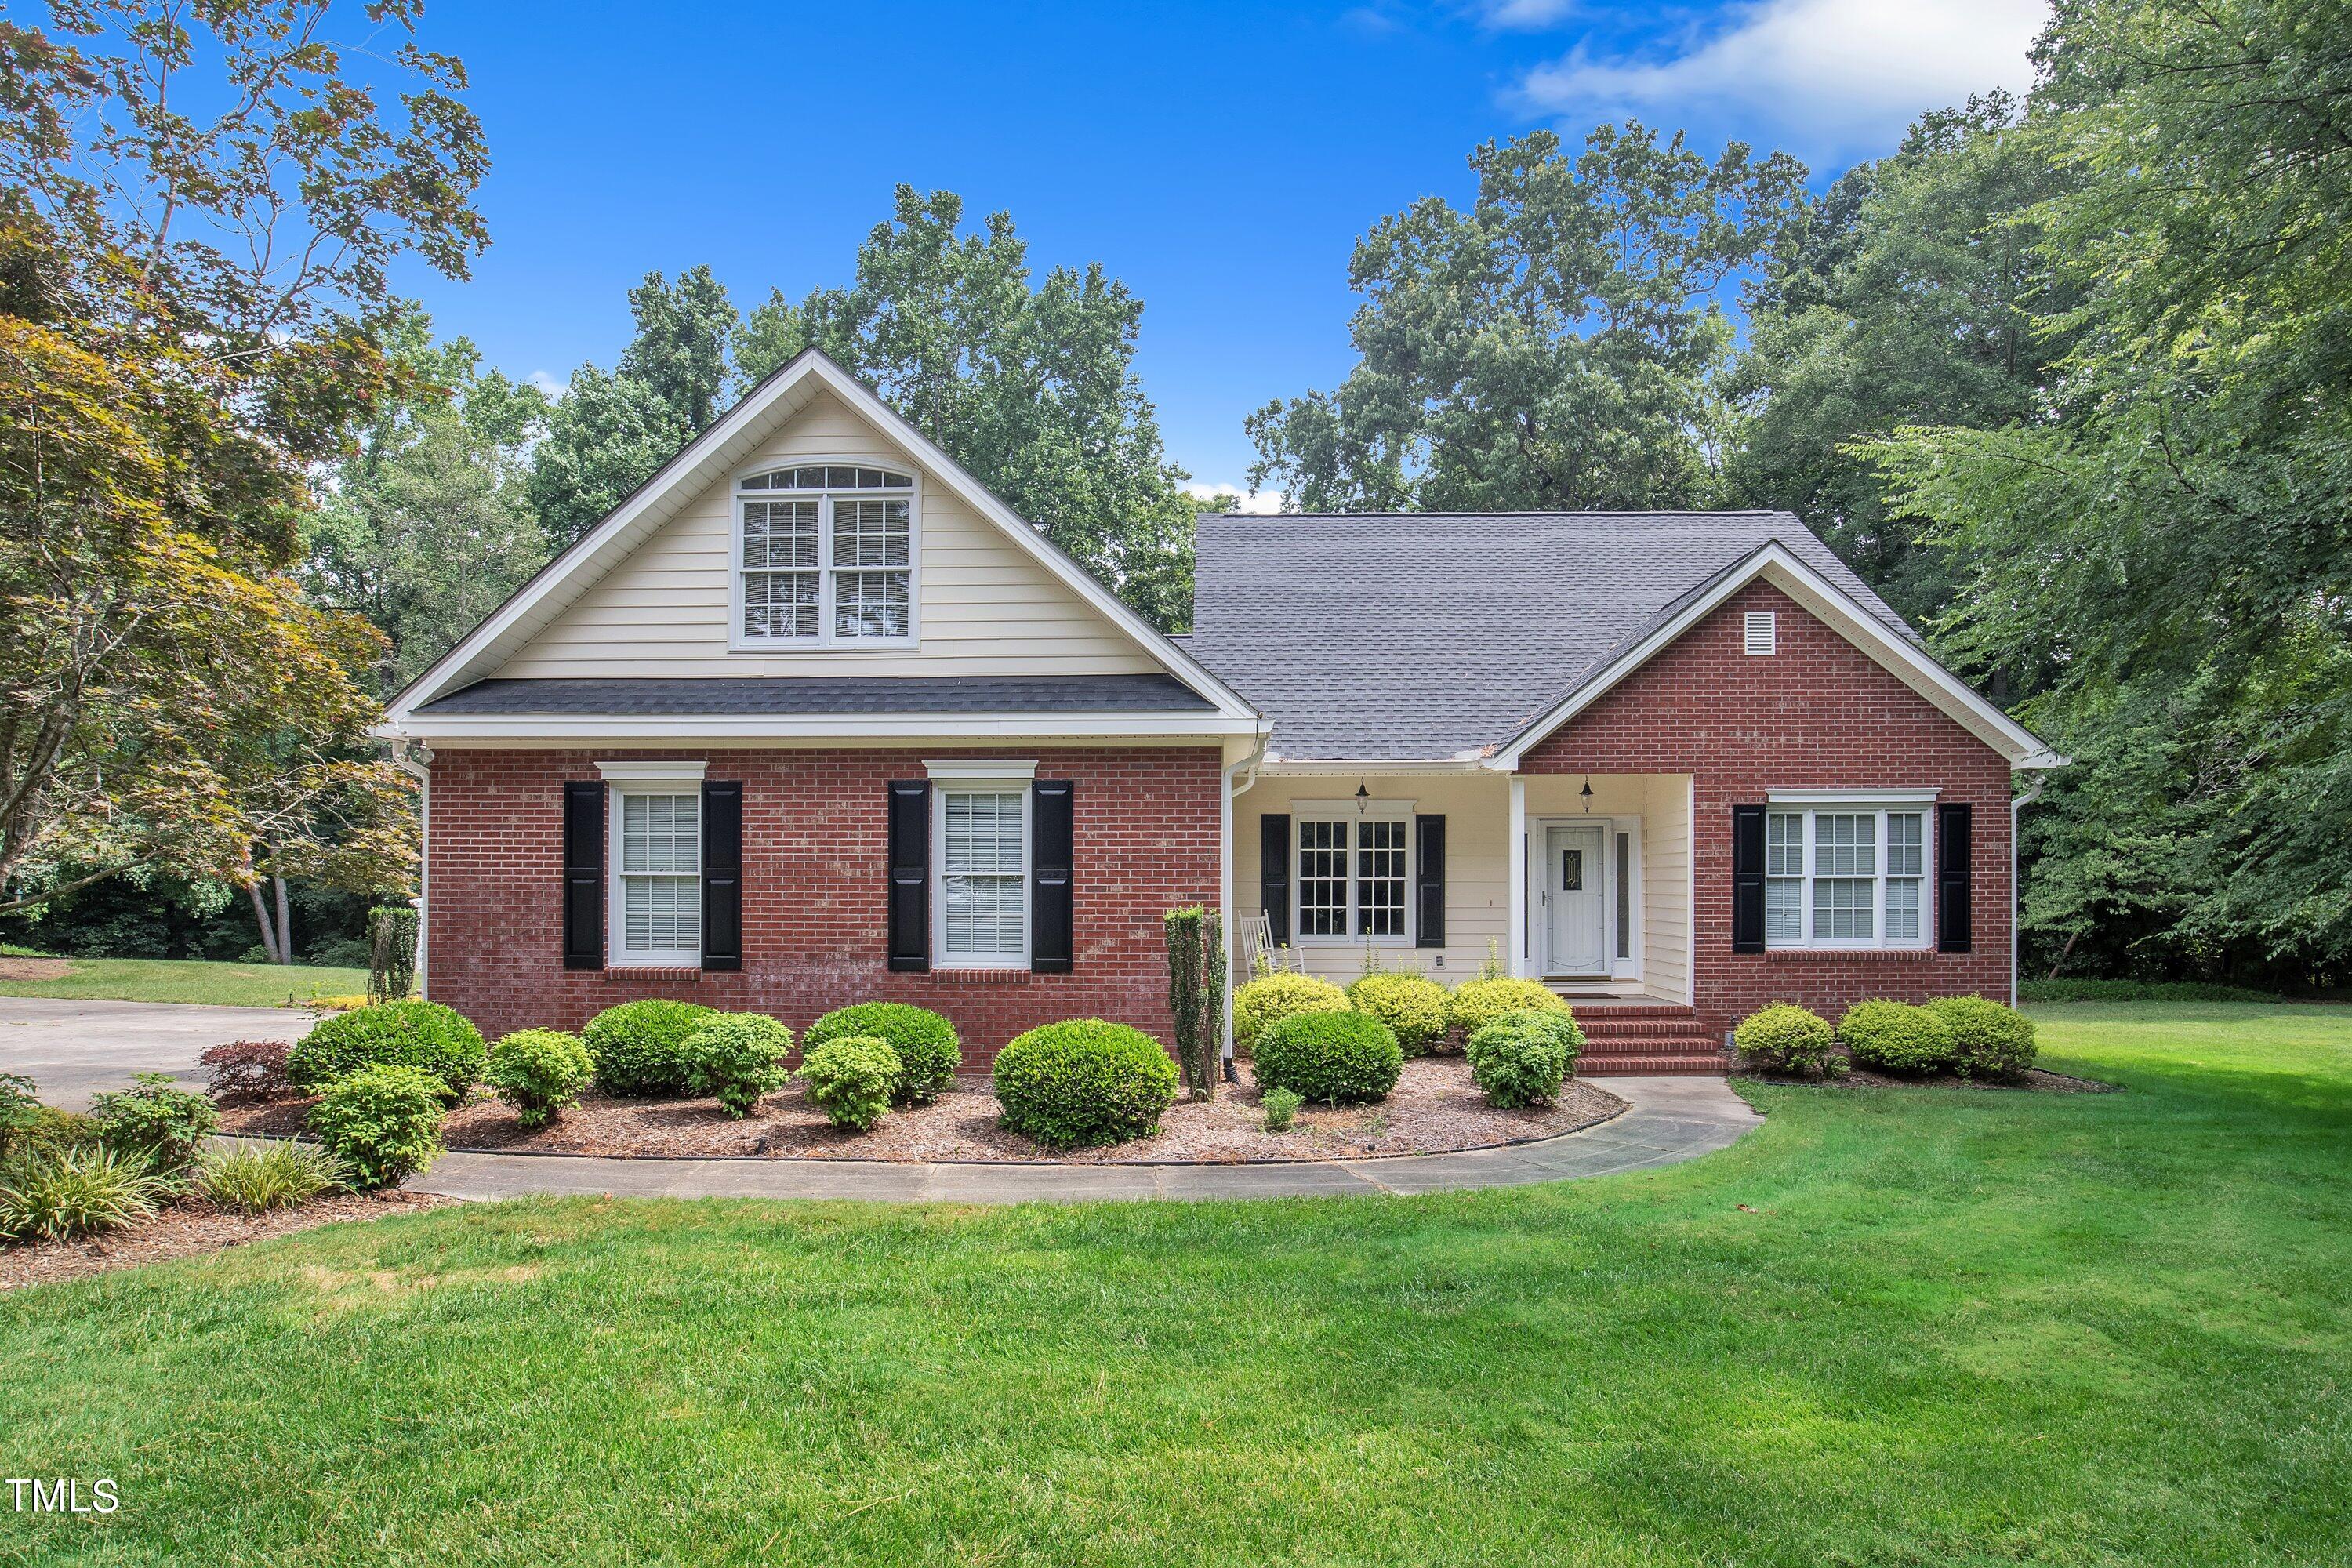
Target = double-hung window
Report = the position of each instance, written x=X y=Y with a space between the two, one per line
x=981 y=828
x=824 y=557
x=1353 y=873
x=1845 y=875
x=657 y=873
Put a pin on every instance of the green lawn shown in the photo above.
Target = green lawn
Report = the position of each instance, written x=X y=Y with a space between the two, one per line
x=192 y=980
x=1909 y=1327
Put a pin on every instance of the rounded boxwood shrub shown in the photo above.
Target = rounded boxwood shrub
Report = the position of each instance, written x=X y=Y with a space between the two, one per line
x=422 y=1035
x=1270 y=998
x=1785 y=1038
x=1988 y=1040
x=1895 y=1036
x=738 y=1056
x=1084 y=1083
x=383 y=1122
x=927 y=1050
x=635 y=1046
x=1414 y=1008
x=851 y=1078
x=1337 y=1058
x=1522 y=1058
x=1479 y=1002
x=539 y=1072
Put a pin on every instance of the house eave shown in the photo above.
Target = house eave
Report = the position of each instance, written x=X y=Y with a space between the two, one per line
x=490 y=729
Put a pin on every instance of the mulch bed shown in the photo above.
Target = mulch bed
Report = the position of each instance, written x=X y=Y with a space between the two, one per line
x=34 y=968
x=1435 y=1108
x=2036 y=1081
x=190 y=1228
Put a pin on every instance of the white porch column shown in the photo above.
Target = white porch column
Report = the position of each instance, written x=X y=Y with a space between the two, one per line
x=1518 y=874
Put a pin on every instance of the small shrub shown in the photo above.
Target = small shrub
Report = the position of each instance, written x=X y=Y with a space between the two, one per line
x=156 y=1121
x=1084 y=1083
x=390 y=953
x=1988 y=1040
x=928 y=1051
x=1479 y=1002
x=423 y=1035
x=274 y=1173
x=1414 y=1008
x=46 y=1128
x=383 y=1122
x=851 y=1078
x=635 y=1046
x=20 y=1109
x=1271 y=998
x=1787 y=1039
x=1895 y=1036
x=59 y=1194
x=539 y=1072
x=339 y=953
x=737 y=1056
x=1337 y=1058
x=1522 y=1058
x=1281 y=1108
x=248 y=1070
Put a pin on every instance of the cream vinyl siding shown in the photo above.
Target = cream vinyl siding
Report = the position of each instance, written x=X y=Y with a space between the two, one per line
x=1666 y=887
x=984 y=608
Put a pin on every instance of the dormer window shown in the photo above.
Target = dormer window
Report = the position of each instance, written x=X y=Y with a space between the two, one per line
x=824 y=557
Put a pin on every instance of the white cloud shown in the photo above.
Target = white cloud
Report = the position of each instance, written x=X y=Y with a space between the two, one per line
x=1523 y=15
x=547 y=384
x=1841 y=69
x=1263 y=502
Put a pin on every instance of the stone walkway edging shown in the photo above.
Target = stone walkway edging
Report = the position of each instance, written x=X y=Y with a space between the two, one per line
x=1667 y=1121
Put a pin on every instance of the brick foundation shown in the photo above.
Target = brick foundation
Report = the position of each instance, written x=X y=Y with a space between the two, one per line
x=1817 y=714
x=814 y=890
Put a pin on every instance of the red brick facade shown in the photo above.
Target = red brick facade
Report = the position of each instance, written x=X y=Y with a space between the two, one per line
x=1817 y=714
x=815 y=891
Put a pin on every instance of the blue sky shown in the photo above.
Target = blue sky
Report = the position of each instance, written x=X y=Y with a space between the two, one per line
x=1220 y=158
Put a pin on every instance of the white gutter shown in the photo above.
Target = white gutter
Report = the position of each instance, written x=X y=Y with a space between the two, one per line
x=2017 y=805
x=1225 y=793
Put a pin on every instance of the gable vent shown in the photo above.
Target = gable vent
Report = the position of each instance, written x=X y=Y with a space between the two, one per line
x=1762 y=632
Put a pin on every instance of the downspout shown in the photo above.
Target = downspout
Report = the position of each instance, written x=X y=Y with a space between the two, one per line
x=1225 y=793
x=415 y=759
x=2017 y=805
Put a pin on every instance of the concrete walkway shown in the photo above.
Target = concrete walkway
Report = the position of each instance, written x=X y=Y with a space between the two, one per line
x=72 y=1049
x=1672 y=1119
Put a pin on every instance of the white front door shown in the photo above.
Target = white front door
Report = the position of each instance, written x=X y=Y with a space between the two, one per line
x=1575 y=886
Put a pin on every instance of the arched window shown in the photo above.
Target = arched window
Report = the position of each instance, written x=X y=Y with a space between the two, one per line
x=825 y=556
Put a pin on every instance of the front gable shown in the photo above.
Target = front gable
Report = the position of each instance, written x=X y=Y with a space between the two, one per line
x=655 y=592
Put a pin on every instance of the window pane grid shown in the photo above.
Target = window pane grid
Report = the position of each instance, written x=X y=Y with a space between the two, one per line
x=1844 y=877
x=1379 y=878
x=1322 y=879
x=828 y=567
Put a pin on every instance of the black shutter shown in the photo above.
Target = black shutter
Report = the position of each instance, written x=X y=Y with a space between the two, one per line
x=1429 y=880
x=1274 y=874
x=722 y=876
x=584 y=876
x=910 y=874
x=1747 y=878
x=1050 y=899
x=1955 y=879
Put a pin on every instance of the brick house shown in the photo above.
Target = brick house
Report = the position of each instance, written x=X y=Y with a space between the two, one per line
x=813 y=718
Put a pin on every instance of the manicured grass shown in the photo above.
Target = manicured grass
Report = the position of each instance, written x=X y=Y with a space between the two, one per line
x=1892 y=1327
x=192 y=980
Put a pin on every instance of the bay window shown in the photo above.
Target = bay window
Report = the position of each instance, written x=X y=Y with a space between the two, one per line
x=1845 y=874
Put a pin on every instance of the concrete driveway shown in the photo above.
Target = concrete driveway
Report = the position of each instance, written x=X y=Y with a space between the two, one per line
x=72 y=1050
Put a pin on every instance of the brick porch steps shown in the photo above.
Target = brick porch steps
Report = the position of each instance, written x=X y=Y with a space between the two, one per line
x=1642 y=1037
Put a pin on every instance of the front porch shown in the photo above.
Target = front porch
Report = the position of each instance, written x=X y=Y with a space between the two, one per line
x=1581 y=883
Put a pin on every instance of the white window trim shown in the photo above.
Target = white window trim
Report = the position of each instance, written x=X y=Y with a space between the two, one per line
x=1003 y=781
x=624 y=779
x=824 y=641
x=1345 y=811
x=1808 y=804
x=984 y=772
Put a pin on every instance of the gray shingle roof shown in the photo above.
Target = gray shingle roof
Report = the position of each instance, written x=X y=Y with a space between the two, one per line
x=1396 y=636
x=731 y=695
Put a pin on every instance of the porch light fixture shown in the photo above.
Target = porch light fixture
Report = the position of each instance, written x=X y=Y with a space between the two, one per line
x=1363 y=798
x=1587 y=793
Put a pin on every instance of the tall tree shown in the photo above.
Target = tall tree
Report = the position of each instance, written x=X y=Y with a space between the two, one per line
x=198 y=207
x=2171 y=549
x=1907 y=300
x=427 y=527
x=1553 y=347
x=1032 y=387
